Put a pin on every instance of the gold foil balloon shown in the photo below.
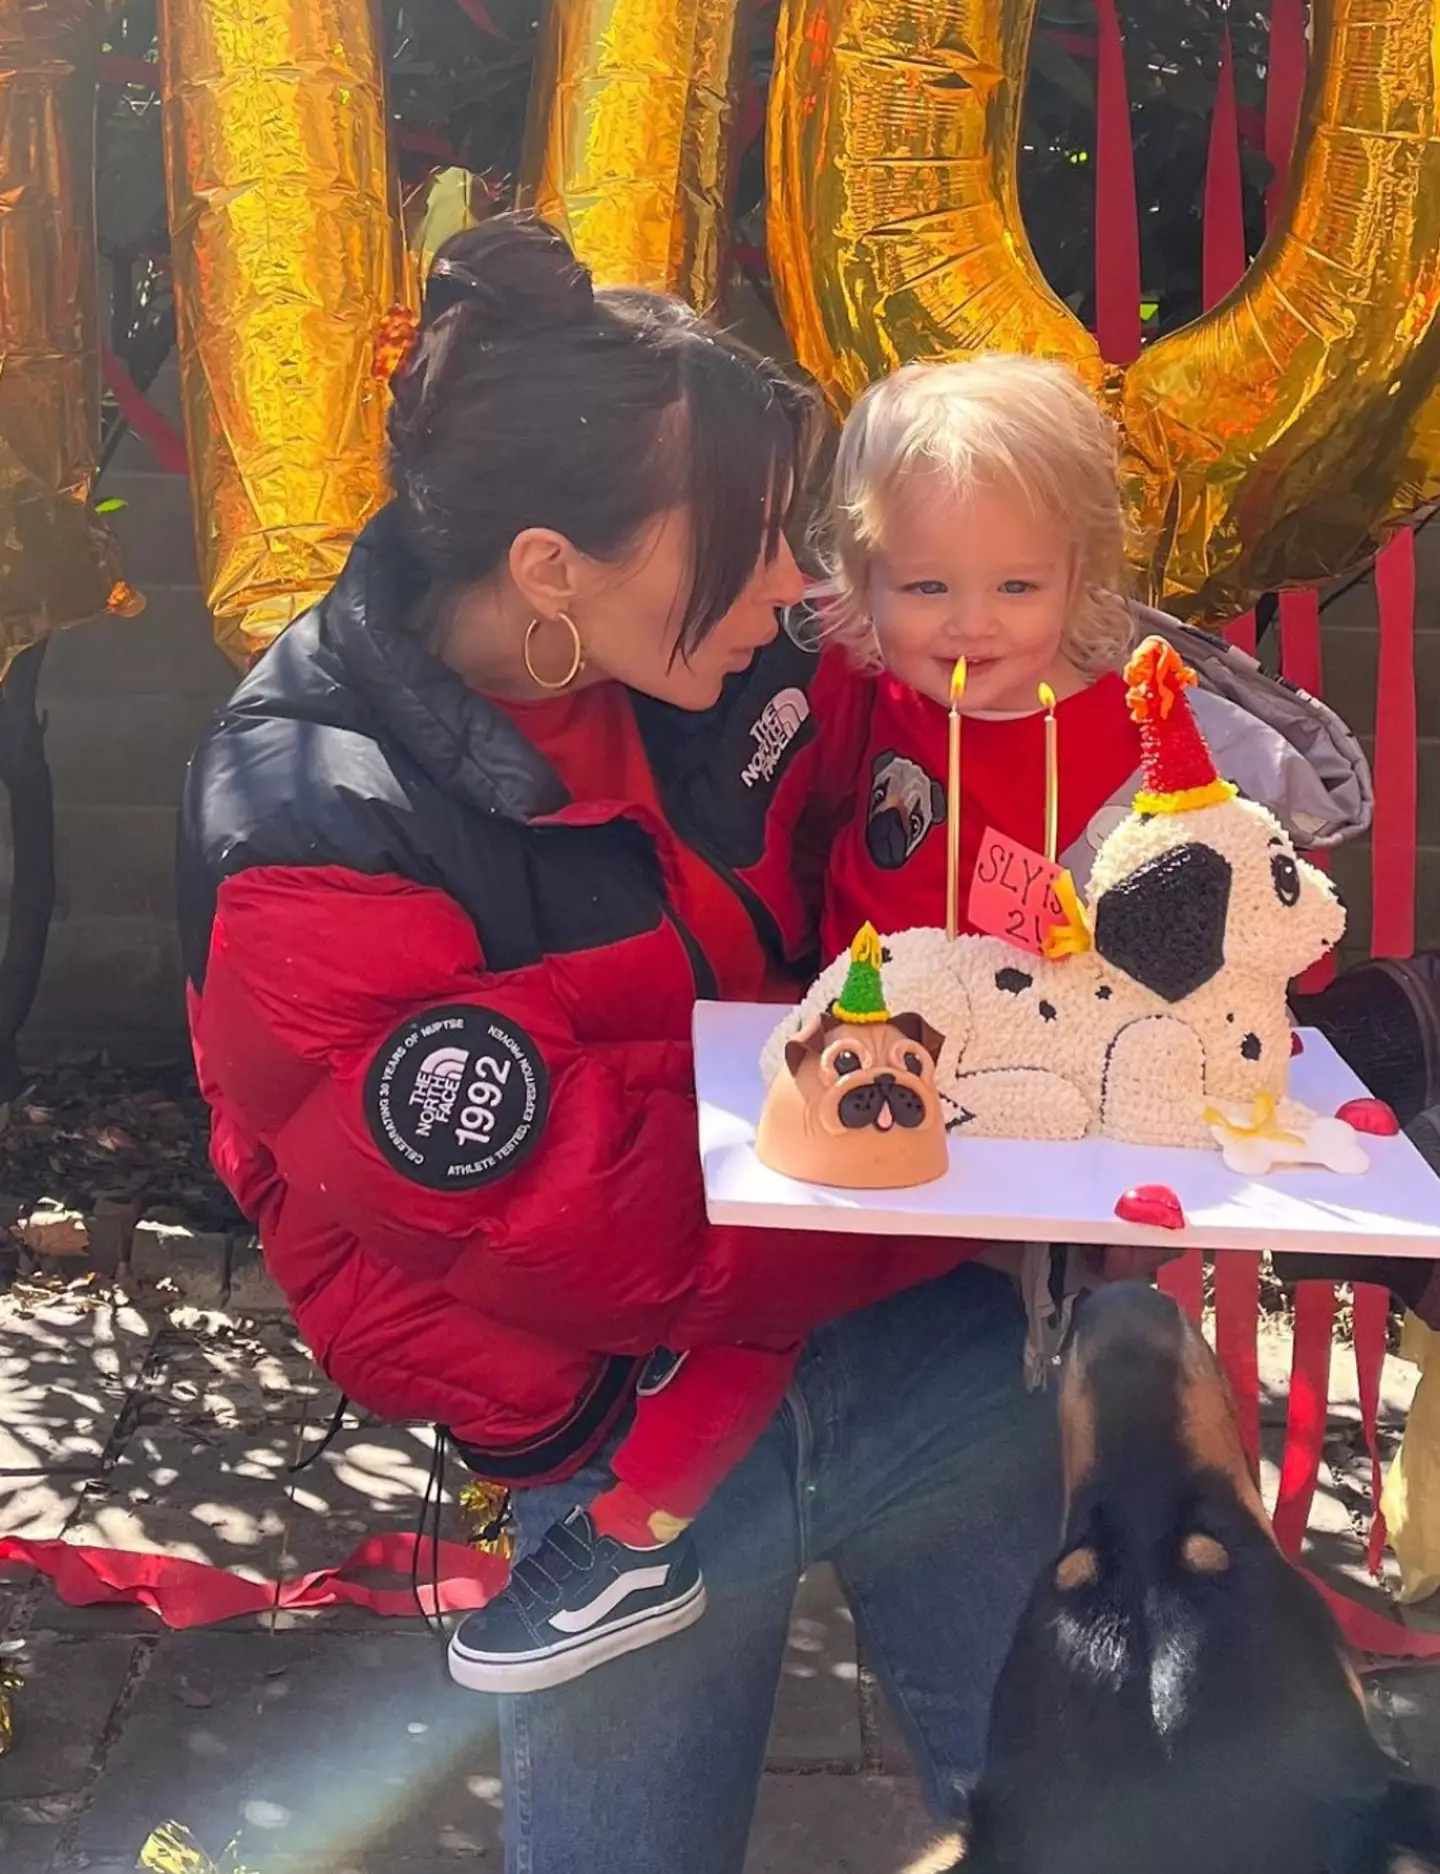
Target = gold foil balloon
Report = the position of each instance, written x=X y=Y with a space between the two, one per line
x=1270 y=443
x=895 y=226
x=629 y=145
x=285 y=255
x=57 y=563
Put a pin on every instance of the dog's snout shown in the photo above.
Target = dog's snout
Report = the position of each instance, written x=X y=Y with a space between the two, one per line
x=887 y=839
x=885 y=1082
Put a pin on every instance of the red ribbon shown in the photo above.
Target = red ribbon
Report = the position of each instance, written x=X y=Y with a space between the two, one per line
x=1284 y=89
x=1241 y=632
x=479 y=15
x=1300 y=640
x=1183 y=1280
x=193 y=1594
x=1223 y=260
x=166 y=444
x=1117 y=222
x=1305 y=1424
x=1300 y=663
x=1392 y=842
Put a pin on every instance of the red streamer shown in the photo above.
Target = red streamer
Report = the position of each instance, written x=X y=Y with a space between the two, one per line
x=1183 y=1280
x=1284 y=90
x=1300 y=664
x=1237 y=1327
x=166 y=444
x=193 y=1594
x=1392 y=842
x=1300 y=661
x=1305 y=1424
x=1117 y=221
x=1241 y=633
x=1223 y=259
x=478 y=15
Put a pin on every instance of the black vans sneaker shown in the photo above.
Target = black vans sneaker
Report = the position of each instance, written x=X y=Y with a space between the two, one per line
x=580 y=1599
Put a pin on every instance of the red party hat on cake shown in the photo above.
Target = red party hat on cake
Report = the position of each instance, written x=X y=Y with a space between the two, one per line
x=1177 y=767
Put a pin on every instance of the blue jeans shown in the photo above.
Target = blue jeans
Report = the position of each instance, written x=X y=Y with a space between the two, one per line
x=909 y=1455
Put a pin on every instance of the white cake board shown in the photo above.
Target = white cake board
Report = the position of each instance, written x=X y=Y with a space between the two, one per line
x=1018 y=1190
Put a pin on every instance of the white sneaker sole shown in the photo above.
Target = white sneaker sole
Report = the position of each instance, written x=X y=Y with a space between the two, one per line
x=481 y=1672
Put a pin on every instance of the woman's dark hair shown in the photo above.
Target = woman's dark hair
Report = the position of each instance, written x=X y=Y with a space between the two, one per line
x=533 y=400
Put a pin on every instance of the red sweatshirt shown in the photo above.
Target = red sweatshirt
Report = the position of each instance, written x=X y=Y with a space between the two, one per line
x=887 y=862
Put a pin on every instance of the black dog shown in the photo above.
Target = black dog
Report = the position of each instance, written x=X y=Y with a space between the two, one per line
x=1177 y=1699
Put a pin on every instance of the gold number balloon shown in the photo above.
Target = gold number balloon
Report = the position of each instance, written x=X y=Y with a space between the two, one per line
x=628 y=143
x=1269 y=443
x=57 y=564
x=895 y=226
x=285 y=255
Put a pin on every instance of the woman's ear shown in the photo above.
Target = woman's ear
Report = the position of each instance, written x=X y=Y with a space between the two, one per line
x=545 y=570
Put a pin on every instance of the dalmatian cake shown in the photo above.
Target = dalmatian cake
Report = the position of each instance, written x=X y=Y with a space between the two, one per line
x=1157 y=1014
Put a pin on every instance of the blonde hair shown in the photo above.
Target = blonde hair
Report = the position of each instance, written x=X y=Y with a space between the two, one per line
x=1018 y=424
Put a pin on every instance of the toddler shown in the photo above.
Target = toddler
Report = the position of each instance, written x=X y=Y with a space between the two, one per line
x=975 y=513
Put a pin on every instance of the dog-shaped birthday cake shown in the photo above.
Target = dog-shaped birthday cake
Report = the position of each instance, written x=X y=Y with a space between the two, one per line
x=1158 y=1013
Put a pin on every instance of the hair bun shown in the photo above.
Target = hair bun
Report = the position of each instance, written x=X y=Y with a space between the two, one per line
x=516 y=272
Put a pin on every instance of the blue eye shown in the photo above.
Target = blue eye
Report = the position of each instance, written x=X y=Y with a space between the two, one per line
x=926 y=588
x=1016 y=588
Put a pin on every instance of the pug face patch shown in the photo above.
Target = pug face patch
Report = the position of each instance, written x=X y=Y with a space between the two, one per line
x=905 y=802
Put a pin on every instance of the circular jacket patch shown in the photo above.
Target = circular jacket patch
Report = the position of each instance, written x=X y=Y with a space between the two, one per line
x=457 y=1097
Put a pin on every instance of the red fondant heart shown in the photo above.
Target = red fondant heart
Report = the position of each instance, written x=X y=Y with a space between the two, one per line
x=1372 y=1116
x=1155 y=1204
x=1297 y=1046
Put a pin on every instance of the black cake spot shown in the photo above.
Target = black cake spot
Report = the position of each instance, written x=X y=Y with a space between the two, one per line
x=1104 y=993
x=1164 y=926
x=1013 y=982
x=1250 y=1047
x=1047 y=1011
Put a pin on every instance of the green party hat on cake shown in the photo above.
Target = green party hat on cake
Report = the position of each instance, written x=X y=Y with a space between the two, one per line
x=863 y=997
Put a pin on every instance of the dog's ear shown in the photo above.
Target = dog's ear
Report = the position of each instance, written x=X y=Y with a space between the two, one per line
x=915 y=1028
x=881 y=763
x=1164 y=925
x=809 y=1040
x=938 y=813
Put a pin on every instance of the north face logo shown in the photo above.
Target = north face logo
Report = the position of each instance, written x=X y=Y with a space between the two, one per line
x=780 y=721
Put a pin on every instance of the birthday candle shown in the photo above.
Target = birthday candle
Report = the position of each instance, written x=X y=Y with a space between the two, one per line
x=952 y=824
x=1052 y=772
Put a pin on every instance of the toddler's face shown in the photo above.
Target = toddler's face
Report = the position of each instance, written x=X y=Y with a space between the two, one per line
x=973 y=576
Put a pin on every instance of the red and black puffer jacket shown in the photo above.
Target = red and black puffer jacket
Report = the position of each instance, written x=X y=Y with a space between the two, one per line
x=442 y=1014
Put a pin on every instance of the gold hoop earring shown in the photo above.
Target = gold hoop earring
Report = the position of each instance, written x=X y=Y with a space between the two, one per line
x=577 y=653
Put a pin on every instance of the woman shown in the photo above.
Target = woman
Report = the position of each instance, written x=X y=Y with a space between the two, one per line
x=456 y=862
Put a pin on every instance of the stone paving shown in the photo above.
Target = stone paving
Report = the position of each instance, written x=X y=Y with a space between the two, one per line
x=332 y=1743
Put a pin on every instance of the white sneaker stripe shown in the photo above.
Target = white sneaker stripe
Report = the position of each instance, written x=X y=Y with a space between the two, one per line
x=581 y=1619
